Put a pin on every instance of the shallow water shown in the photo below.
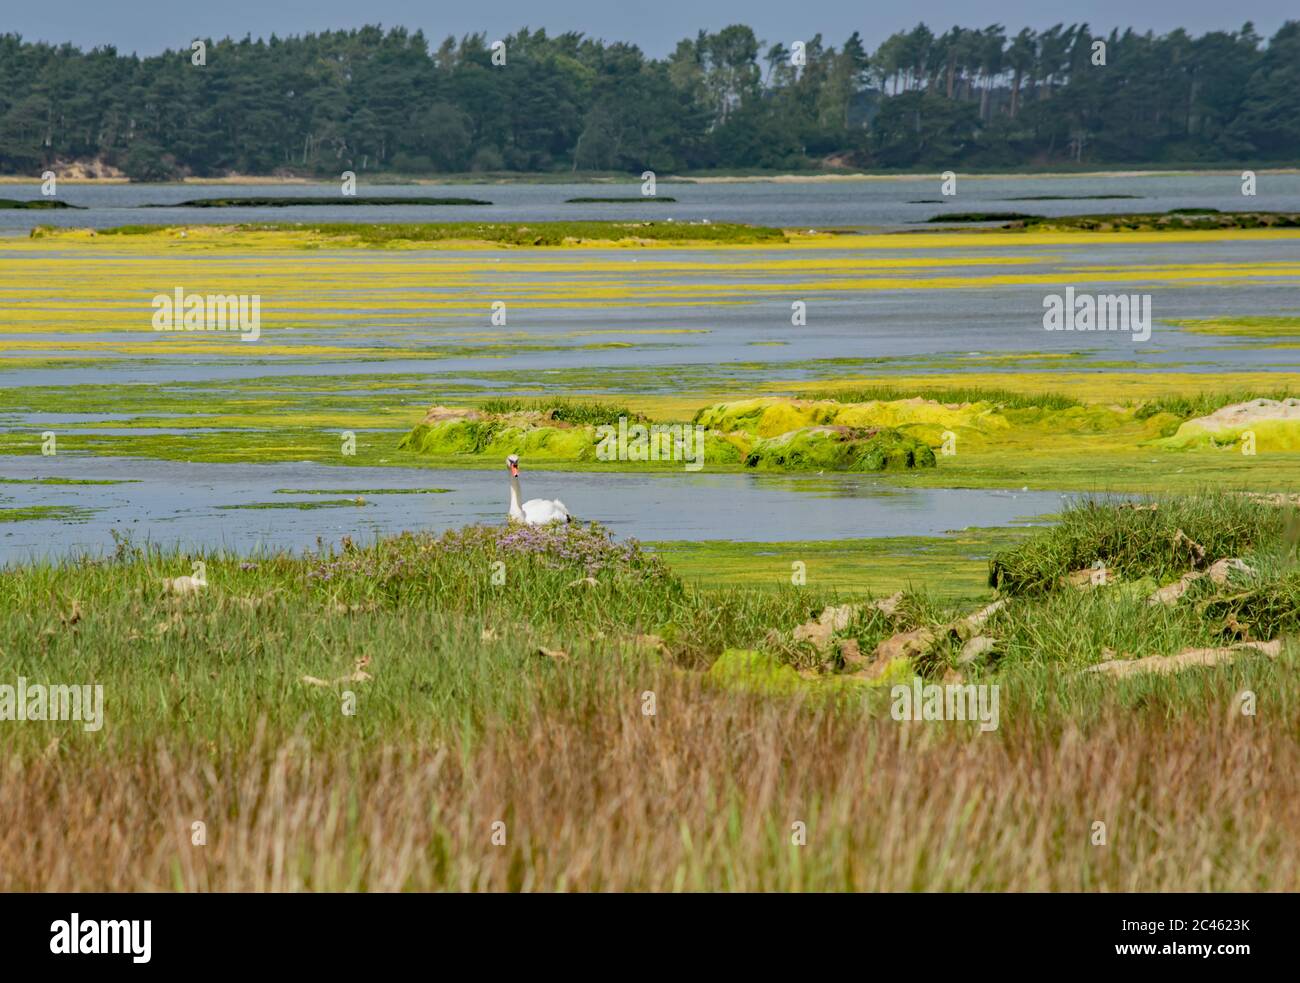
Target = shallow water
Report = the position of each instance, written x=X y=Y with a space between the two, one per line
x=940 y=304
x=176 y=504
x=734 y=307
x=876 y=203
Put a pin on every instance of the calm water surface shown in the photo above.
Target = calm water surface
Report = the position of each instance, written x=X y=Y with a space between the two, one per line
x=893 y=202
x=178 y=504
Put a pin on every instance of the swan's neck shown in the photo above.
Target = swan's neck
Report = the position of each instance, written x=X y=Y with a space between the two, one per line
x=514 y=495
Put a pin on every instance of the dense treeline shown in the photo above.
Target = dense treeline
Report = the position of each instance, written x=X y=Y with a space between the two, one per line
x=370 y=100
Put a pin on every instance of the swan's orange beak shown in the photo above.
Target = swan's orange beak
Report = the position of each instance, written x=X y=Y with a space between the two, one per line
x=514 y=470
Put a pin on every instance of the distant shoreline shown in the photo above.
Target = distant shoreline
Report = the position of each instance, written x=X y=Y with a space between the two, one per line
x=967 y=176
x=820 y=177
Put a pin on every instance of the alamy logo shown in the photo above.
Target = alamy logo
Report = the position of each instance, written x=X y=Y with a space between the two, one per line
x=657 y=442
x=102 y=937
x=209 y=312
x=55 y=702
x=950 y=702
x=1098 y=312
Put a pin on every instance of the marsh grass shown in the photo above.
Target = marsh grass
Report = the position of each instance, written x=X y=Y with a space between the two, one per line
x=1262 y=609
x=29 y=513
x=1177 y=219
x=61 y=481
x=703 y=795
x=1070 y=630
x=1142 y=541
x=582 y=413
x=1188 y=407
x=462 y=723
x=409 y=600
x=1007 y=398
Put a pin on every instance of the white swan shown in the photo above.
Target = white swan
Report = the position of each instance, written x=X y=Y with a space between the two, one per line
x=536 y=511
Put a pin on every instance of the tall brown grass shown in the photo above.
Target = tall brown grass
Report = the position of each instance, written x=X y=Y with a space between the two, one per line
x=701 y=796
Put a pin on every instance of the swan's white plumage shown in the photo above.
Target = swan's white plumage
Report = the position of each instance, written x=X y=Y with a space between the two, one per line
x=539 y=511
x=535 y=511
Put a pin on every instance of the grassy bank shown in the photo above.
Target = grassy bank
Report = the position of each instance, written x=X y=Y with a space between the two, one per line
x=951 y=569
x=360 y=719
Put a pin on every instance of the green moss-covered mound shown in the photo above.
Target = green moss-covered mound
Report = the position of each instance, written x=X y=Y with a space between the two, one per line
x=970 y=422
x=762 y=672
x=478 y=434
x=922 y=420
x=783 y=442
x=551 y=434
x=839 y=449
x=771 y=416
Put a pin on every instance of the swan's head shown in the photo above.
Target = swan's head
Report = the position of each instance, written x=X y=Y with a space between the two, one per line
x=513 y=463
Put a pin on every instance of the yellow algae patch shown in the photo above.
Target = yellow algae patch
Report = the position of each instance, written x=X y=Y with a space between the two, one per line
x=397 y=304
x=109 y=286
x=913 y=412
x=757 y=671
x=763 y=673
x=1030 y=239
x=923 y=419
x=1089 y=387
x=958 y=428
x=1248 y=327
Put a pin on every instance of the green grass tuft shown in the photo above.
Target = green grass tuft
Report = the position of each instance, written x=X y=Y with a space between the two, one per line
x=1188 y=407
x=1134 y=540
x=580 y=413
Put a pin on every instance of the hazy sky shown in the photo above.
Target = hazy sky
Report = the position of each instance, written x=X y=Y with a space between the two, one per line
x=149 y=26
